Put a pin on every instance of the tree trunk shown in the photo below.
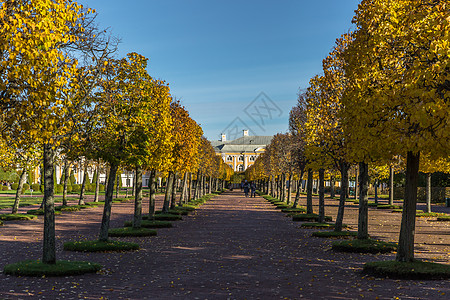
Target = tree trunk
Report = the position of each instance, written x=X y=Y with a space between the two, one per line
x=108 y=202
x=309 y=187
x=137 y=219
x=342 y=196
x=363 y=217
x=97 y=183
x=189 y=188
x=66 y=181
x=321 y=195
x=168 y=193
x=428 y=192
x=356 y=182
x=209 y=185
x=19 y=192
x=117 y=185
x=49 y=240
x=332 y=190
x=152 y=194
x=297 y=195
x=391 y=185
x=173 y=198
x=405 y=251
x=289 y=194
x=83 y=184
x=183 y=189
x=376 y=190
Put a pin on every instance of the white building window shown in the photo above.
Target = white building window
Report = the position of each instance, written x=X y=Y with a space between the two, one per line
x=240 y=168
x=229 y=158
x=241 y=158
x=252 y=158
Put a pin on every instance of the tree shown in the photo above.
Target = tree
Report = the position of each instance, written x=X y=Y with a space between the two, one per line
x=397 y=68
x=38 y=62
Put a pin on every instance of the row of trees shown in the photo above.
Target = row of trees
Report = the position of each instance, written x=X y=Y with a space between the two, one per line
x=64 y=95
x=383 y=96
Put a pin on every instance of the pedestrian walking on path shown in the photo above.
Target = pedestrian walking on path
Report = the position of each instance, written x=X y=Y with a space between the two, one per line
x=246 y=188
x=252 y=189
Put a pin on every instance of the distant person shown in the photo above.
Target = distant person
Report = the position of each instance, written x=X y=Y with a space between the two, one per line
x=246 y=187
x=252 y=189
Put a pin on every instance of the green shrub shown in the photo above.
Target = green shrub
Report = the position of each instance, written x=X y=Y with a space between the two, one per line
x=408 y=270
x=14 y=186
x=101 y=188
x=26 y=187
x=364 y=246
x=90 y=187
x=60 y=268
x=59 y=188
x=4 y=188
x=35 y=186
x=98 y=246
x=1 y=223
x=69 y=188
x=76 y=188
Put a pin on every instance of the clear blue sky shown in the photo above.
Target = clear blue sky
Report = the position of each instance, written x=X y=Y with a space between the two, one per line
x=219 y=56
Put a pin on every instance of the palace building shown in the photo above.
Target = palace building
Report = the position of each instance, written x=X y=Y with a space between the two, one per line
x=242 y=152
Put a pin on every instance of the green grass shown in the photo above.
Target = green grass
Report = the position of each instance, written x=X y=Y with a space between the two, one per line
x=68 y=208
x=98 y=246
x=168 y=217
x=427 y=215
x=408 y=270
x=130 y=231
x=296 y=210
x=294 y=213
x=188 y=207
x=60 y=268
x=335 y=234
x=388 y=206
x=400 y=210
x=282 y=206
x=320 y=225
x=15 y=217
x=40 y=212
x=8 y=202
x=308 y=217
x=93 y=204
x=150 y=224
x=444 y=218
x=364 y=246
x=174 y=212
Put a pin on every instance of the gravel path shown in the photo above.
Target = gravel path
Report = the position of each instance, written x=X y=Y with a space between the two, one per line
x=231 y=248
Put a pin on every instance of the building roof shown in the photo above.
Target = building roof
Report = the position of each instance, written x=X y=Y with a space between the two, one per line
x=243 y=144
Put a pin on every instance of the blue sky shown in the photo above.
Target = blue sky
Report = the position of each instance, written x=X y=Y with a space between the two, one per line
x=234 y=64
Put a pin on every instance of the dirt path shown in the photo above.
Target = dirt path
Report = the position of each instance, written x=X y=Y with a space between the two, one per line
x=231 y=248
